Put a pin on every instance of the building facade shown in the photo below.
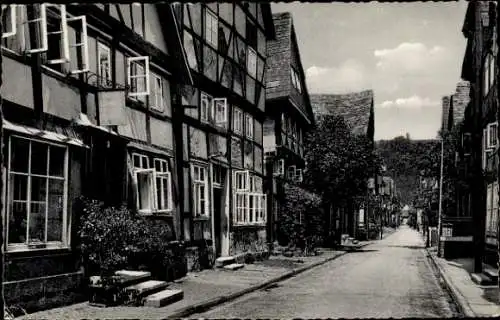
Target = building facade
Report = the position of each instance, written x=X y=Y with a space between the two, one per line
x=220 y=125
x=288 y=117
x=88 y=111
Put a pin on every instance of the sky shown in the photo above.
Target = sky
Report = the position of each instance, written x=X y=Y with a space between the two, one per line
x=409 y=54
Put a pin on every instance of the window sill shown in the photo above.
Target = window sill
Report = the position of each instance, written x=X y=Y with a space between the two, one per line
x=250 y=225
x=12 y=249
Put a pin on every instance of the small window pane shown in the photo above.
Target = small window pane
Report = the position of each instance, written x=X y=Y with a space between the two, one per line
x=38 y=189
x=18 y=187
x=37 y=222
x=55 y=211
x=18 y=222
x=19 y=155
x=56 y=166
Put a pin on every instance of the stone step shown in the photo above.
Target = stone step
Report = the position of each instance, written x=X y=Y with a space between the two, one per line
x=163 y=298
x=491 y=273
x=137 y=291
x=234 y=266
x=224 y=261
x=131 y=277
x=481 y=279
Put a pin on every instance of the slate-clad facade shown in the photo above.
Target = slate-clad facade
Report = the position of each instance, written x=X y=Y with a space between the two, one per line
x=288 y=117
x=88 y=111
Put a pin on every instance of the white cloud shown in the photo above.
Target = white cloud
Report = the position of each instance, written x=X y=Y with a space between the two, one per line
x=413 y=102
x=349 y=76
x=410 y=58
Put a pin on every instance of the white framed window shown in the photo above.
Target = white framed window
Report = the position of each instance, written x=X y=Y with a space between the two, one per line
x=241 y=180
x=250 y=208
x=10 y=23
x=492 y=138
x=295 y=79
x=492 y=213
x=279 y=167
x=486 y=150
x=104 y=63
x=57 y=34
x=156 y=100
x=153 y=184
x=237 y=120
x=211 y=28
x=205 y=102
x=248 y=126
x=252 y=62
x=200 y=191
x=81 y=46
x=163 y=178
x=298 y=175
x=220 y=111
x=37 y=182
x=138 y=76
x=486 y=77
x=291 y=173
x=40 y=23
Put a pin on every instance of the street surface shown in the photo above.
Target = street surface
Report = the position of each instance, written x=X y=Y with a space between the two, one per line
x=390 y=278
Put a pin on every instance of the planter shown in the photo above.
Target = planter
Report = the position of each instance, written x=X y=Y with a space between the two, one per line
x=107 y=294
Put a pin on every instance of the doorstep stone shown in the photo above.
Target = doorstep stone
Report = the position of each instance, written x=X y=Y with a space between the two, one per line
x=234 y=266
x=163 y=298
x=481 y=279
x=146 y=287
x=224 y=261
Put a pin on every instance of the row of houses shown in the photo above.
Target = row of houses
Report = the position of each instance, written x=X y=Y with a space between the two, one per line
x=470 y=228
x=191 y=114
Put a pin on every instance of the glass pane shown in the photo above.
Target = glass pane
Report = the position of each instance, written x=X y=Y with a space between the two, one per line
x=38 y=189
x=19 y=155
x=56 y=209
x=18 y=222
x=37 y=222
x=190 y=51
x=18 y=187
x=144 y=186
x=209 y=63
x=159 y=188
x=164 y=192
x=39 y=158
x=56 y=165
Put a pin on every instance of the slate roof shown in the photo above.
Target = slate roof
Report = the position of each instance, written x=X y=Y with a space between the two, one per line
x=356 y=108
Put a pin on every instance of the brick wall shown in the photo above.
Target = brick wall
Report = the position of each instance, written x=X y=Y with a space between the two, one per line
x=278 y=78
x=461 y=99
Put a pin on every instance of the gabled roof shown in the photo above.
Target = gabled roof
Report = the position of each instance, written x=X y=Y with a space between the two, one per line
x=280 y=54
x=356 y=109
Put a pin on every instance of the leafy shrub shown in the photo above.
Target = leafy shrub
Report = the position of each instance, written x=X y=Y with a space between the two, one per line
x=114 y=238
x=300 y=219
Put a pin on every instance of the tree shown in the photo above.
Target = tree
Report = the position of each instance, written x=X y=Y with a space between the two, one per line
x=339 y=163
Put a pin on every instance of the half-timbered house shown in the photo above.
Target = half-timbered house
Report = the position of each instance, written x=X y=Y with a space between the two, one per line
x=220 y=119
x=87 y=100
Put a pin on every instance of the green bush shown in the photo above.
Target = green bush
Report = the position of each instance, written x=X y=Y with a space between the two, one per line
x=300 y=219
x=114 y=238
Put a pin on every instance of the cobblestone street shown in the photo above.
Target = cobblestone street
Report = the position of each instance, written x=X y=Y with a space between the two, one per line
x=390 y=278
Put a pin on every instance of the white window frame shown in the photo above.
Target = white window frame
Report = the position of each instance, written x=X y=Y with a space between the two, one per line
x=486 y=151
x=130 y=76
x=237 y=121
x=152 y=190
x=205 y=101
x=249 y=126
x=212 y=33
x=12 y=22
x=486 y=77
x=197 y=183
x=298 y=175
x=219 y=107
x=279 y=167
x=103 y=48
x=491 y=70
x=42 y=26
x=166 y=178
x=63 y=32
x=156 y=101
x=251 y=63
x=250 y=214
x=492 y=135
x=83 y=45
x=64 y=242
x=241 y=180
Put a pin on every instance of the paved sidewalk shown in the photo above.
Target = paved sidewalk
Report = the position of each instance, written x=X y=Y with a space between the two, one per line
x=472 y=299
x=202 y=290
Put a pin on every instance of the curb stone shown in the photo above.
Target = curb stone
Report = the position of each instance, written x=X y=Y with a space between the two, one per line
x=208 y=304
x=459 y=299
